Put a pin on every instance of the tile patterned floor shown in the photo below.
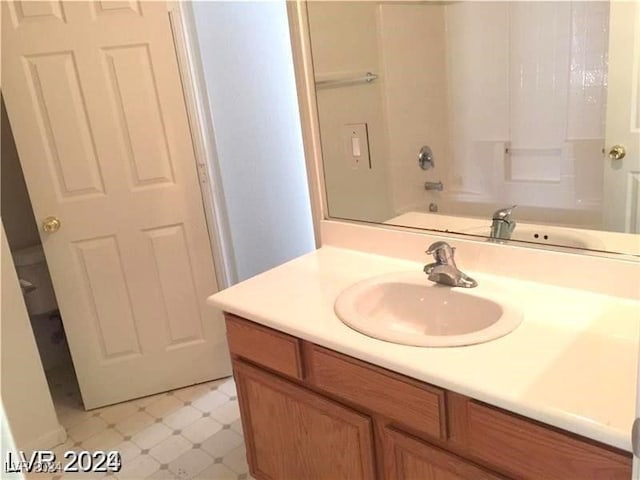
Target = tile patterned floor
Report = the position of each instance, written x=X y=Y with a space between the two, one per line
x=190 y=433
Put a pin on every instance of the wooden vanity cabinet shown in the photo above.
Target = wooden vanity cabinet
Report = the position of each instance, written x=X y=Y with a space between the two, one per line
x=311 y=413
x=292 y=433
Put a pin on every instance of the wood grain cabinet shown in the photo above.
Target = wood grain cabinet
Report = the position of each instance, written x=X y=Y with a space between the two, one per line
x=406 y=458
x=310 y=413
x=295 y=434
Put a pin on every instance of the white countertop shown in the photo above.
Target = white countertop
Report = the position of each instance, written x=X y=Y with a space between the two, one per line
x=571 y=363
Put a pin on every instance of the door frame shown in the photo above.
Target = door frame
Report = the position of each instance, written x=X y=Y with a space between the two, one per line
x=203 y=138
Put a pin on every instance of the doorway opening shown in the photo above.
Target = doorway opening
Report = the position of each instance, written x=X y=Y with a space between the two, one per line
x=28 y=257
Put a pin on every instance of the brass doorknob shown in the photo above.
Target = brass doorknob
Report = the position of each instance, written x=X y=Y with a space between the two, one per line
x=51 y=224
x=617 y=152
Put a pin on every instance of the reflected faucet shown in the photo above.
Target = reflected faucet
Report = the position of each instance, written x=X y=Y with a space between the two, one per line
x=433 y=186
x=502 y=223
x=444 y=269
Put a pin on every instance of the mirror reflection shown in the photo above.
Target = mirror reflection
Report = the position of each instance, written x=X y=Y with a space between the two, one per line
x=510 y=120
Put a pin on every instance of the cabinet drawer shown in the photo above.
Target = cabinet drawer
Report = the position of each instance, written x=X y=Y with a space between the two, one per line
x=526 y=449
x=412 y=404
x=271 y=349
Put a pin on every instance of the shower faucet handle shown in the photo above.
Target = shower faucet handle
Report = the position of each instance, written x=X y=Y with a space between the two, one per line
x=425 y=158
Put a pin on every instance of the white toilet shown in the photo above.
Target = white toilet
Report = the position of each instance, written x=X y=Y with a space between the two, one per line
x=42 y=306
x=32 y=268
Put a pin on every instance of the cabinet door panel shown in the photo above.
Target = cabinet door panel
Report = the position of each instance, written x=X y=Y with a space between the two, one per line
x=407 y=458
x=292 y=433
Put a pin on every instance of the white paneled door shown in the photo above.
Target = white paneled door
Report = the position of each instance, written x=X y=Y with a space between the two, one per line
x=621 y=204
x=94 y=97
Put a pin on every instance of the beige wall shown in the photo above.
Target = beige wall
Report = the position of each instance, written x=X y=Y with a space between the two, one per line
x=413 y=50
x=405 y=108
x=17 y=214
x=361 y=193
x=23 y=387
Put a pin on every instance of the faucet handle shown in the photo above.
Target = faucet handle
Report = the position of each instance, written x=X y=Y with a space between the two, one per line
x=504 y=213
x=442 y=252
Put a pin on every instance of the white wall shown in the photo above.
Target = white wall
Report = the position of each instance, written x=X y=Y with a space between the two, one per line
x=534 y=83
x=23 y=387
x=248 y=70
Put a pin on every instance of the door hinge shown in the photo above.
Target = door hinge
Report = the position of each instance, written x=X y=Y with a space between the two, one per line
x=635 y=437
x=203 y=174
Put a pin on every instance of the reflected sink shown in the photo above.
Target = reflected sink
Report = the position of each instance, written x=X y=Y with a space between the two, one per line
x=547 y=236
x=407 y=308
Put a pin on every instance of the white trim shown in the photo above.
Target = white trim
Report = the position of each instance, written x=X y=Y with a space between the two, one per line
x=309 y=120
x=204 y=144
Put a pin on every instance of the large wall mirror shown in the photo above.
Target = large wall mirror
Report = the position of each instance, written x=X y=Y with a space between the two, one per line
x=444 y=115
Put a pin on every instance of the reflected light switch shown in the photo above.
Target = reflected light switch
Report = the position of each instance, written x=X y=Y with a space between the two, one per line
x=355 y=146
x=355 y=138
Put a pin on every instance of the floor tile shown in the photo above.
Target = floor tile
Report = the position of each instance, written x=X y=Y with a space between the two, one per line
x=60 y=450
x=135 y=423
x=228 y=388
x=182 y=418
x=237 y=426
x=170 y=448
x=236 y=460
x=227 y=413
x=140 y=467
x=151 y=436
x=105 y=440
x=165 y=474
x=145 y=401
x=217 y=471
x=216 y=383
x=210 y=401
x=70 y=417
x=190 y=464
x=115 y=413
x=83 y=476
x=222 y=443
x=201 y=429
x=189 y=394
x=164 y=406
x=192 y=432
x=87 y=428
x=128 y=450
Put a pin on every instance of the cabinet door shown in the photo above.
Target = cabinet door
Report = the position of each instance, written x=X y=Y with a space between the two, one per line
x=292 y=433
x=529 y=450
x=409 y=459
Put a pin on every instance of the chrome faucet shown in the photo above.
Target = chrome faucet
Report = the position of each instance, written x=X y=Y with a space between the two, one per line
x=433 y=186
x=444 y=269
x=502 y=223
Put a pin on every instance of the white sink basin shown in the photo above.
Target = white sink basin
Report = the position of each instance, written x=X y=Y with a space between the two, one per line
x=409 y=309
